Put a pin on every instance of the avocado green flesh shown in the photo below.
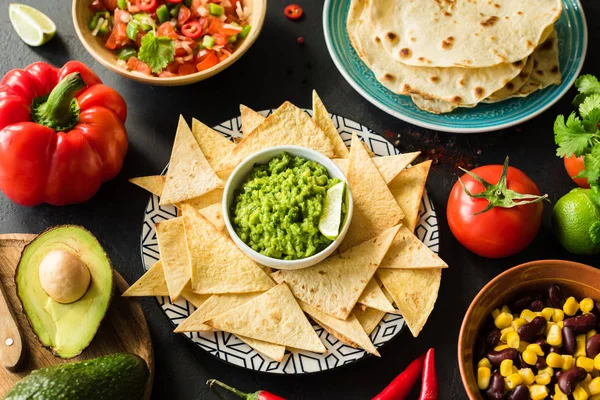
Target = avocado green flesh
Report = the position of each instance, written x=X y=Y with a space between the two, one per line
x=67 y=329
x=119 y=376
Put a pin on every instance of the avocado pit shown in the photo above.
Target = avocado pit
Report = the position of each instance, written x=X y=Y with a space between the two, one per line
x=63 y=276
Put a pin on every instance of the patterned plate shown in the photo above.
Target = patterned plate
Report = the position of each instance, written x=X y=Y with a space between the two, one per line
x=228 y=347
x=572 y=39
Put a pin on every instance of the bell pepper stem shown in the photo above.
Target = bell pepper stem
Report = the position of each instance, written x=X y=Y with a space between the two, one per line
x=212 y=382
x=59 y=110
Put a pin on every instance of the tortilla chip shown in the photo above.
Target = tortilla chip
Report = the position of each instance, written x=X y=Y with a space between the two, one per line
x=210 y=198
x=373 y=297
x=408 y=188
x=375 y=209
x=173 y=252
x=189 y=175
x=414 y=291
x=335 y=284
x=273 y=317
x=289 y=125
x=368 y=149
x=196 y=299
x=369 y=318
x=408 y=252
x=250 y=120
x=348 y=331
x=273 y=351
x=389 y=166
x=218 y=265
x=153 y=183
x=214 y=215
x=152 y=283
x=323 y=120
x=214 y=146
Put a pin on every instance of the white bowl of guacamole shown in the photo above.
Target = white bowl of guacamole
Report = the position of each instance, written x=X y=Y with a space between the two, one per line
x=272 y=204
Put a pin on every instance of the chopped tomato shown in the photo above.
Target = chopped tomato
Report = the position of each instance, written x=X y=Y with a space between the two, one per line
x=121 y=16
x=118 y=37
x=223 y=56
x=174 y=1
x=136 y=65
x=147 y=5
x=229 y=31
x=166 y=29
x=167 y=74
x=172 y=67
x=194 y=8
x=220 y=39
x=183 y=16
x=186 y=69
x=204 y=21
x=209 y=61
x=214 y=25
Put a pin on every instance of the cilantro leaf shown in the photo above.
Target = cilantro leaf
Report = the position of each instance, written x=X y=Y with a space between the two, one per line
x=590 y=103
x=592 y=165
x=571 y=137
x=591 y=121
x=579 y=99
x=594 y=193
x=587 y=84
x=595 y=232
x=157 y=52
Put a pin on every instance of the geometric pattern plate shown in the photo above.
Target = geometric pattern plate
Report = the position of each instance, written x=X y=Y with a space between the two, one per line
x=227 y=346
x=572 y=41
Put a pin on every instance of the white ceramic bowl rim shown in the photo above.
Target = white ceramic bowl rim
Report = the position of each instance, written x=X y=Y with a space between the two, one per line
x=270 y=261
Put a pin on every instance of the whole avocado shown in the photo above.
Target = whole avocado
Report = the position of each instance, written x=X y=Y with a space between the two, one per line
x=121 y=376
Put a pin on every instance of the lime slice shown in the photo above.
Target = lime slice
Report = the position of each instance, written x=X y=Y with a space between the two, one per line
x=32 y=26
x=331 y=218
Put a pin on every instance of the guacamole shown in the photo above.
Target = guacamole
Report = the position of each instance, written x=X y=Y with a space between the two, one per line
x=276 y=210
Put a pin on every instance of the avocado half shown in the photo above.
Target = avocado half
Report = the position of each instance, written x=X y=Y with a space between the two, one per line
x=65 y=329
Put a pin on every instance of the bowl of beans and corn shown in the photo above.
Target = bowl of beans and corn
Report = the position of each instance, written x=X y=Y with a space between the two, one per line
x=533 y=332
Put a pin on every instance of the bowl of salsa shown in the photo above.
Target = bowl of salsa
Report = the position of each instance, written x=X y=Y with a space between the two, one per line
x=168 y=42
x=287 y=207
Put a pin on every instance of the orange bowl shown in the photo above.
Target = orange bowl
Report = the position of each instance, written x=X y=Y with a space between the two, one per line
x=95 y=46
x=575 y=279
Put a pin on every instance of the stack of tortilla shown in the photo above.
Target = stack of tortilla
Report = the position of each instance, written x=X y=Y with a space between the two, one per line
x=381 y=266
x=457 y=53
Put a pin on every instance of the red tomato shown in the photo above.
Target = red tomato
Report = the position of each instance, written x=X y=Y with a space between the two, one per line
x=183 y=16
x=498 y=232
x=192 y=30
x=186 y=69
x=293 y=12
x=214 y=26
x=194 y=8
x=208 y=62
x=220 y=39
x=174 y=1
x=166 y=29
x=574 y=165
x=118 y=37
x=136 y=65
x=147 y=5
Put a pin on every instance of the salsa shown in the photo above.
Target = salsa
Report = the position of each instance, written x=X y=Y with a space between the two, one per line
x=168 y=38
x=276 y=210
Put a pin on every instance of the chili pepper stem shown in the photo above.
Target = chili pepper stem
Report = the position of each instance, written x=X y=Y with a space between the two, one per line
x=239 y=393
x=59 y=110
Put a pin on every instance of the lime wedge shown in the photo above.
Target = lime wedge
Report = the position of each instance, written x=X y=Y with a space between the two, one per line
x=331 y=218
x=32 y=26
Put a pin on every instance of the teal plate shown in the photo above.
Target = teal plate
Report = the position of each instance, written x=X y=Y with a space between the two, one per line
x=572 y=40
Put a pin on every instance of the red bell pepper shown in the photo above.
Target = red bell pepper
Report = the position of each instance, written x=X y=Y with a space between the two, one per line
x=62 y=134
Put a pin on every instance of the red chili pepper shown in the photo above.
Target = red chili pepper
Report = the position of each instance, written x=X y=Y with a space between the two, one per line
x=147 y=5
x=429 y=384
x=293 y=12
x=192 y=30
x=260 y=395
x=400 y=387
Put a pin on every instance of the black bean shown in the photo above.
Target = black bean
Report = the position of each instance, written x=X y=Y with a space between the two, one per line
x=530 y=332
x=555 y=295
x=492 y=339
x=496 y=357
x=555 y=376
x=519 y=393
x=544 y=346
x=520 y=363
x=553 y=349
x=537 y=305
x=592 y=347
x=569 y=379
x=521 y=303
x=496 y=389
x=541 y=363
x=581 y=323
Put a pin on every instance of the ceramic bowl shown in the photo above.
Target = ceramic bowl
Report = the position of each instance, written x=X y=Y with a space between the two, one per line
x=262 y=157
x=575 y=279
x=95 y=46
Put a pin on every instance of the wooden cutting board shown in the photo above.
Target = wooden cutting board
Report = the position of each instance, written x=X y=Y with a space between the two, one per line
x=124 y=329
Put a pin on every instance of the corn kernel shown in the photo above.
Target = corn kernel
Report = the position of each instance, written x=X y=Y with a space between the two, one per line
x=536 y=349
x=547 y=313
x=549 y=325
x=527 y=375
x=558 y=395
x=530 y=357
x=483 y=377
x=547 y=370
x=513 y=380
x=597 y=362
x=559 y=315
x=518 y=322
x=588 y=379
x=522 y=346
x=569 y=362
x=594 y=386
x=513 y=340
x=585 y=363
x=595 y=373
x=571 y=306
x=503 y=320
x=543 y=379
x=586 y=305
x=554 y=336
x=554 y=360
x=580 y=394
x=501 y=347
x=594 y=397
x=527 y=315
x=590 y=333
x=504 y=332
x=505 y=309
x=561 y=324
x=538 y=392
x=484 y=362
x=495 y=313
x=506 y=368
x=580 y=348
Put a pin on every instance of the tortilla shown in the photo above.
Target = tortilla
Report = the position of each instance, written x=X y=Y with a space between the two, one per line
x=250 y=119
x=153 y=183
x=335 y=284
x=546 y=69
x=273 y=317
x=414 y=291
x=172 y=246
x=369 y=318
x=288 y=125
x=514 y=85
x=373 y=297
x=375 y=209
x=388 y=166
x=214 y=146
x=487 y=33
x=348 y=331
x=273 y=351
x=217 y=264
x=408 y=252
x=189 y=175
x=323 y=119
x=408 y=188
x=152 y=283
x=214 y=215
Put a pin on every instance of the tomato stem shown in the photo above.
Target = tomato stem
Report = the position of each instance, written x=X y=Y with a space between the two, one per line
x=59 y=109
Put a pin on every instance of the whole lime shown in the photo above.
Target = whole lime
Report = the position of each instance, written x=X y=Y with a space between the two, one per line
x=572 y=217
